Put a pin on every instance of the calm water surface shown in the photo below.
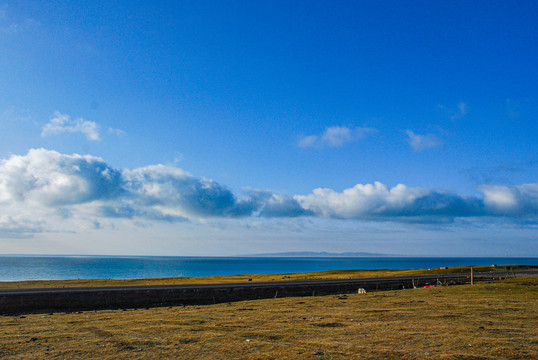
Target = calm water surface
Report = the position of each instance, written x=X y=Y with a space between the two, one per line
x=16 y=268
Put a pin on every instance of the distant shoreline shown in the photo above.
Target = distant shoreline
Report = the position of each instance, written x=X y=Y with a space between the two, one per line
x=22 y=268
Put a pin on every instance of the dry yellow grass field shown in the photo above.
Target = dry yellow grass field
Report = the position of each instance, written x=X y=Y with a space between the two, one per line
x=486 y=321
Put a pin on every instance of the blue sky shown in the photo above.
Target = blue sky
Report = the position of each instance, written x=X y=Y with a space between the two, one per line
x=236 y=127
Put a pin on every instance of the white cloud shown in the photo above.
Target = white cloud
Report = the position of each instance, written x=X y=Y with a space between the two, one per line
x=514 y=200
x=44 y=178
x=182 y=194
x=422 y=142
x=308 y=141
x=269 y=204
x=60 y=123
x=335 y=136
x=501 y=197
x=376 y=200
x=48 y=178
x=84 y=192
x=360 y=201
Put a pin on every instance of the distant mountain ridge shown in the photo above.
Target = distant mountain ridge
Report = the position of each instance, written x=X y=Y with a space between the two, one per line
x=320 y=254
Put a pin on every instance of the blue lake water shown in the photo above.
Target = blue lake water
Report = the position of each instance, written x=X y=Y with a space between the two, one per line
x=16 y=268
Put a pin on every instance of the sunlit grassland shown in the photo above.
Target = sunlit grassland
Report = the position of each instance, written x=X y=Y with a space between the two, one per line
x=496 y=320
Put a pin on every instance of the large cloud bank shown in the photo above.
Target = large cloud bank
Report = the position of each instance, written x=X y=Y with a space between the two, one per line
x=48 y=179
x=378 y=201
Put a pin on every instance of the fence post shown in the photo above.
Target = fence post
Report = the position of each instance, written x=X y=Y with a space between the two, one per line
x=472 y=276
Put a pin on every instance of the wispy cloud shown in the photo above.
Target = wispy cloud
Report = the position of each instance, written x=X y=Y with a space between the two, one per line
x=462 y=109
x=88 y=188
x=10 y=25
x=457 y=112
x=14 y=115
x=422 y=142
x=7 y=25
x=335 y=136
x=61 y=123
x=116 y=132
x=18 y=227
x=501 y=172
